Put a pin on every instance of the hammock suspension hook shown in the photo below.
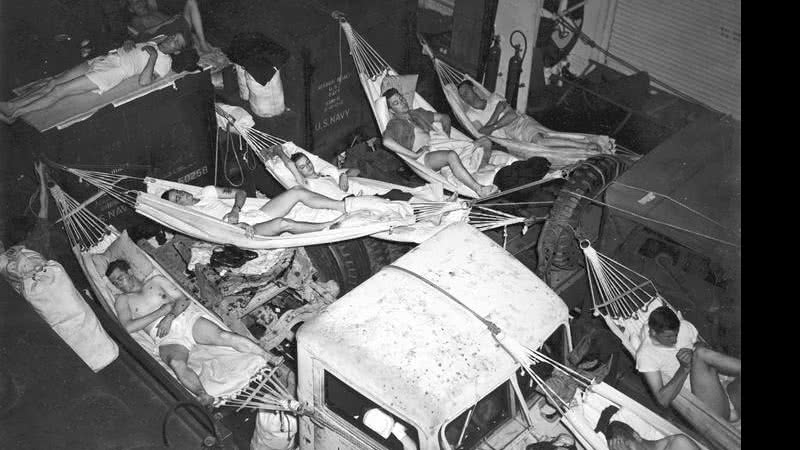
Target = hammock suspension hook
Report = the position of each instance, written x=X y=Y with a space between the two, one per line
x=338 y=15
x=584 y=243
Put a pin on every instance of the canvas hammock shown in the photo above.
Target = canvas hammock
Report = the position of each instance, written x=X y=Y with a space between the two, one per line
x=203 y=227
x=428 y=201
x=580 y=413
x=372 y=69
x=450 y=78
x=227 y=375
x=624 y=299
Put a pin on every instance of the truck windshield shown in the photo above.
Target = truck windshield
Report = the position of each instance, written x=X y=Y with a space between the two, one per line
x=477 y=422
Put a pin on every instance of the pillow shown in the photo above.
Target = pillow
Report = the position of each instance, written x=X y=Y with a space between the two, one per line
x=124 y=248
x=382 y=115
x=406 y=84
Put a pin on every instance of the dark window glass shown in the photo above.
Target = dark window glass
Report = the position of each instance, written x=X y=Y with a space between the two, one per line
x=351 y=406
x=481 y=420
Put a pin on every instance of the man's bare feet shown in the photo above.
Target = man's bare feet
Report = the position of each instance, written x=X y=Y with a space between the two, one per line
x=483 y=191
x=5 y=109
x=486 y=144
x=5 y=119
x=249 y=231
x=337 y=222
x=204 y=47
x=205 y=399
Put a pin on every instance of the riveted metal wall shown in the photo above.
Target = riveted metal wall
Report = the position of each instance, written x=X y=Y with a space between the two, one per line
x=692 y=45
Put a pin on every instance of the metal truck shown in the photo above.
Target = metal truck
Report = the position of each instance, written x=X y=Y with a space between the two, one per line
x=400 y=362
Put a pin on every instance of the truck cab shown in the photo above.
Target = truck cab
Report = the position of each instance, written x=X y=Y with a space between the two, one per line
x=402 y=361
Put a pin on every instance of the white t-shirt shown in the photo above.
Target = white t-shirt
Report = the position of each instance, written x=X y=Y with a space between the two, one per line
x=482 y=116
x=210 y=204
x=134 y=61
x=652 y=357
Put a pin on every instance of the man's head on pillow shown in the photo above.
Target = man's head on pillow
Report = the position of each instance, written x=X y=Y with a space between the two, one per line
x=179 y=47
x=466 y=90
x=395 y=101
x=303 y=164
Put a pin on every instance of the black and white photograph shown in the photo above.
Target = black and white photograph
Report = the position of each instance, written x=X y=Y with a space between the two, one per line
x=371 y=224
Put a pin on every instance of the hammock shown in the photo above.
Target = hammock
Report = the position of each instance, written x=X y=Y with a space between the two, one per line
x=203 y=227
x=579 y=413
x=624 y=299
x=372 y=69
x=231 y=377
x=427 y=201
x=449 y=78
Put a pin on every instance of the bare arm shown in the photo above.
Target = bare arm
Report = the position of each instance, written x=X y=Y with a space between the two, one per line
x=444 y=119
x=394 y=146
x=664 y=394
x=132 y=325
x=179 y=301
x=290 y=165
x=503 y=115
x=147 y=76
x=239 y=197
x=500 y=109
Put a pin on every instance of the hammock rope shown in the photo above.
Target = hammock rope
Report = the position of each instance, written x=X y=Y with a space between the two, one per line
x=615 y=289
x=83 y=228
x=660 y=222
x=264 y=392
x=679 y=203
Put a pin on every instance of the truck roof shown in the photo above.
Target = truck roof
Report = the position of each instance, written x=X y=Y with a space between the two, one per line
x=408 y=346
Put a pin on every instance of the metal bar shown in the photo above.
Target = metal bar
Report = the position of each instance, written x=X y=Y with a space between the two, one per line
x=82 y=206
x=263 y=299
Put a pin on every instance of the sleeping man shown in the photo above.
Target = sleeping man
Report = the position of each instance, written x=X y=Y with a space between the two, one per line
x=333 y=185
x=409 y=133
x=148 y=61
x=269 y=220
x=173 y=321
x=494 y=117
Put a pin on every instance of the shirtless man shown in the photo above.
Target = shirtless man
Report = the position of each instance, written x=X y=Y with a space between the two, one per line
x=148 y=22
x=621 y=436
x=174 y=323
x=408 y=133
x=268 y=220
x=495 y=117
x=670 y=357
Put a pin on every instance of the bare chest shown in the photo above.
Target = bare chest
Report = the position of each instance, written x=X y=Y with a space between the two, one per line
x=150 y=299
